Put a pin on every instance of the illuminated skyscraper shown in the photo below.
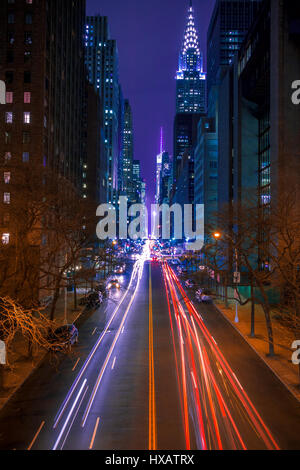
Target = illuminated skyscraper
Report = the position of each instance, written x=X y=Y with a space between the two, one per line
x=127 y=176
x=190 y=78
x=159 y=164
x=190 y=96
x=103 y=71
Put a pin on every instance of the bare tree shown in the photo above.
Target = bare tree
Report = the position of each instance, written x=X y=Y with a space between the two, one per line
x=50 y=228
x=32 y=324
x=262 y=241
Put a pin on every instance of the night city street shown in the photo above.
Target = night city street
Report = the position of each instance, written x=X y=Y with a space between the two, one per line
x=149 y=228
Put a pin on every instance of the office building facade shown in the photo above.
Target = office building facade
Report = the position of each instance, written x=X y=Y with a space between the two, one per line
x=101 y=56
x=127 y=153
x=41 y=52
x=206 y=171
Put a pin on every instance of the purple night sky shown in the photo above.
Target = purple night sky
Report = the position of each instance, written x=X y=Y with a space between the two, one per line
x=149 y=35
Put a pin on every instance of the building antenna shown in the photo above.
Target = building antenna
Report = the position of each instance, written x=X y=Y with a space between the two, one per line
x=161 y=140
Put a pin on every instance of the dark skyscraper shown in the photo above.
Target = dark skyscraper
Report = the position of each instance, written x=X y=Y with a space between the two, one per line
x=185 y=133
x=230 y=22
x=103 y=71
x=94 y=182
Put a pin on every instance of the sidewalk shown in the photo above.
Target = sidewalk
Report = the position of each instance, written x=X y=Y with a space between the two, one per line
x=281 y=364
x=23 y=365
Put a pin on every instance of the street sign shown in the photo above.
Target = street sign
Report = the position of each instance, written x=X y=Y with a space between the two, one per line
x=2 y=353
x=236 y=278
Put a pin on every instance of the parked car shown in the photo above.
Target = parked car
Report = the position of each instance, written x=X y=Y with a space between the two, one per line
x=63 y=337
x=189 y=284
x=102 y=289
x=204 y=296
x=93 y=299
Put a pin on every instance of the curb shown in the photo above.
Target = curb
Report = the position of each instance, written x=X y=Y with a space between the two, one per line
x=258 y=354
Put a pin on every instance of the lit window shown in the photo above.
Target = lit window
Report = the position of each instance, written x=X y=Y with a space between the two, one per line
x=7 y=137
x=7 y=177
x=27 y=118
x=28 y=38
x=27 y=97
x=9 y=117
x=6 y=198
x=25 y=157
x=9 y=97
x=5 y=238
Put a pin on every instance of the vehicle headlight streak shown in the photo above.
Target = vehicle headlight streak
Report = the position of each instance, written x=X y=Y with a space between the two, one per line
x=119 y=332
x=137 y=272
x=95 y=348
x=69 y=415
x=204 y=384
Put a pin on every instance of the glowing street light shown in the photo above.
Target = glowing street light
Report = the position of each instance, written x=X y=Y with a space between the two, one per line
x=217 y=235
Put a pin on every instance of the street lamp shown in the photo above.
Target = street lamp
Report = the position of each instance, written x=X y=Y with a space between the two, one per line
x=218 y=236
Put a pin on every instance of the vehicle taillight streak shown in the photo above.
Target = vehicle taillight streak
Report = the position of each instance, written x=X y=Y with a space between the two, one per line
x=214 y=403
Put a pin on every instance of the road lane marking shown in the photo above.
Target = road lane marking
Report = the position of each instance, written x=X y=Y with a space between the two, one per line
x=94 y=331
x=76 y=364
x=36 y=435
x=152 y=418
x=94 y=434
x=114 y=363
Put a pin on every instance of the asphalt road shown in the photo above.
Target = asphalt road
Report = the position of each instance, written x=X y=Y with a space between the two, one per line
x=153 y=371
